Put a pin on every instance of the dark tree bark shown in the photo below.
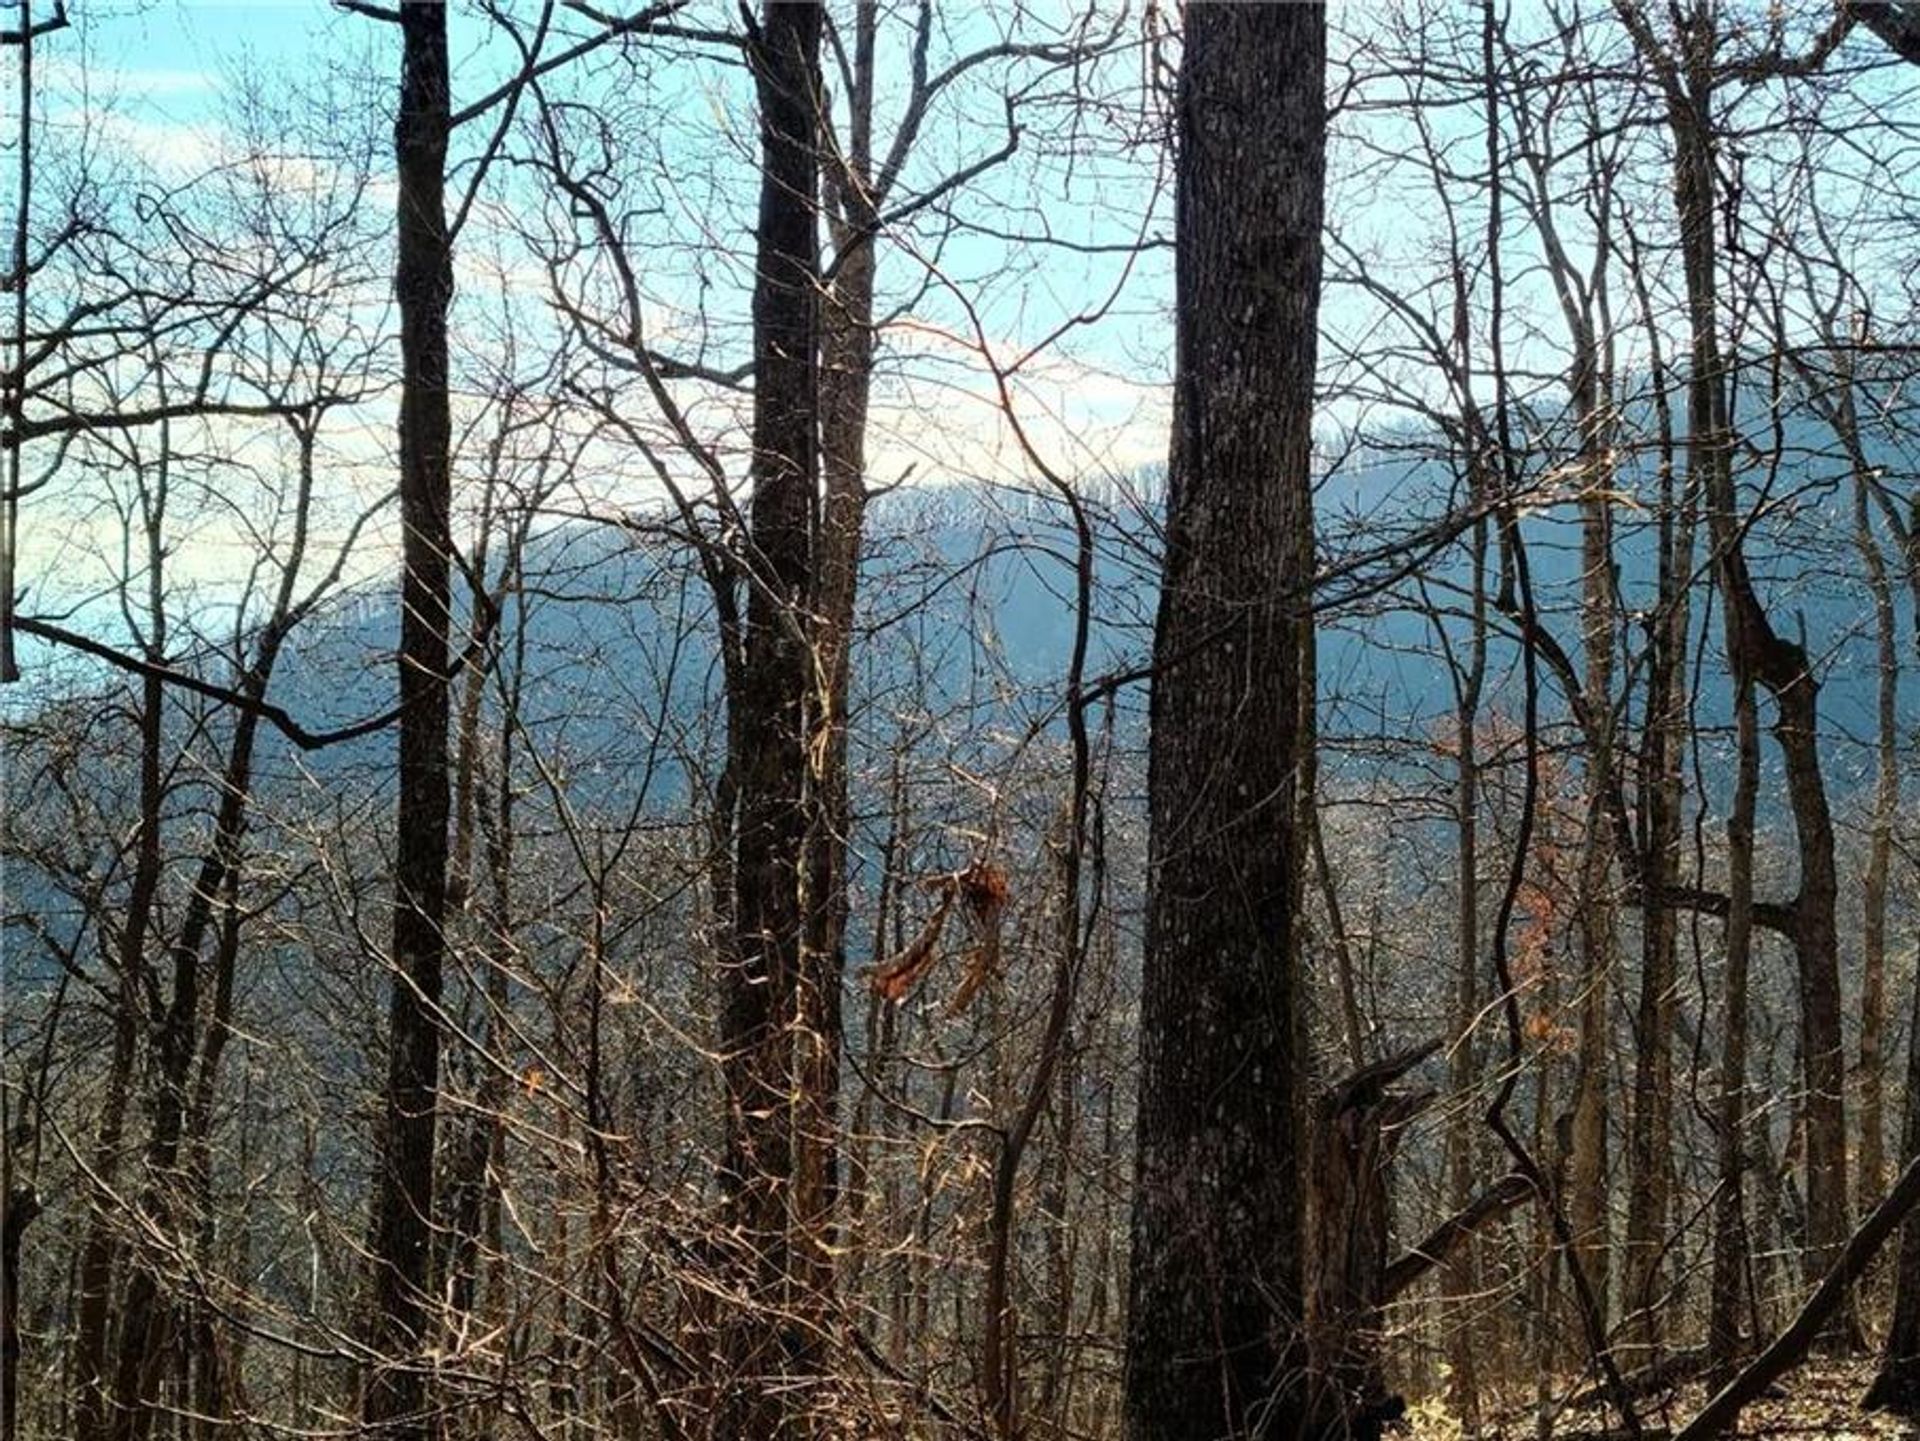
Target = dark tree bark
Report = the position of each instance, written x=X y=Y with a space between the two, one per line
x=395 y=1399
x=1652 y=849
x=97 y=1252
x=1649 y=1135
x=1896 y=22
x=1593 y=401
x=1896 y=1387
x=1842 y=413
x=845 y=384
x=144 y=1312
x=1462 y=1283
x=764 y=1045
x=1214 y=1344
x=1757 y=653
x=1730 y=1259
x=20 y=1204
x=1356 y=1128
x=13 y=378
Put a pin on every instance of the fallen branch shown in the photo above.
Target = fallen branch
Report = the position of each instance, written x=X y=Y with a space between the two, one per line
x=1450 y=1235
x=1666 y=1374
x=1790 y=1347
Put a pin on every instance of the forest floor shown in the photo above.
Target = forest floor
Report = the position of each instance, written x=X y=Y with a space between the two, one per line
x=1819 y=1399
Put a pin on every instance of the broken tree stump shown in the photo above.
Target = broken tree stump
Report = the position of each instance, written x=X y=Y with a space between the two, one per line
x=1356 y=1127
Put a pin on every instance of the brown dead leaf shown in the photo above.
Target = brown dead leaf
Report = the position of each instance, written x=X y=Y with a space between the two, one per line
x=896 y=979
x=983 y=957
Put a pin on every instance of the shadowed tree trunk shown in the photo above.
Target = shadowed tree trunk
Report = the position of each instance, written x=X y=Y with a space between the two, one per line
x=20 y=1204
x=1462 y=1284
x=1589 y=1210
x=395 y=1401
x=1896 y=1387
x=1356 y=1129
x=845 y=383
x=769 y=1036
x=165 y=1200
x=1843 y=417
x=1729 y=1210
x=1757 y=654
x=97 y=1251
x=1214 y=1343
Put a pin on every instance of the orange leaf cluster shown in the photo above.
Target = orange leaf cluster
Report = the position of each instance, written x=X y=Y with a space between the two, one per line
x=983 y=889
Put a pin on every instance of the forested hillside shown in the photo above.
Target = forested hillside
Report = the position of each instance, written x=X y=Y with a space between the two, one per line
x=1018 y=721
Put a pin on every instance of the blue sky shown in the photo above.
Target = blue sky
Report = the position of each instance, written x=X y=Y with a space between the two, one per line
x=161 y=84
x=169 y=74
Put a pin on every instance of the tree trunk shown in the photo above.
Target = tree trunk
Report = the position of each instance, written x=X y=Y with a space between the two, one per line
x=1214 y=1344
x=764 y=1026
x=95 y=1318
x=1589 y=1209
x=1896 y=1387
x=845 y=382
x=1462 y=1281
x=178 y=1117
x=1657 y=844
x=1886 y=809
x=1357 y=1127
x=1756 y=653
x=1649 y=1158
x=19 y=1205
x=1729 y=1209
x=395 y=1402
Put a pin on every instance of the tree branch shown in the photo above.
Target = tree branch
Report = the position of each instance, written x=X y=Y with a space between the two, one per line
x=277 y=716
x=1897 y=22
x=1790 y=1347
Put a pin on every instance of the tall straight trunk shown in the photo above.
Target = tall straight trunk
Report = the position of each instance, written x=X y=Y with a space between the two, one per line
x=396 y=1403
x=1585 y=306
x=1649 y=1147
x=845 y=383
x=97 y=1251
x=1657 y=841
x=1730 y=1258
x=472 y=1183
x=19 y=1206
x=1214 y=1341
x=769 y=1037
x=1588 y=1205
x=1757 y=654
x=144 y=1330
x=1886 y=809
x=865 y=1234
x=213 y=1371
x=1462 y=1278
x=1896 y=1386
x=182 y=1112
x=13 y=379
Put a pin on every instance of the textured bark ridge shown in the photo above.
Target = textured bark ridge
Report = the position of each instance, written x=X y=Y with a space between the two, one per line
x=777 y=1028
x=396 y=1399
x=1215 y=1340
